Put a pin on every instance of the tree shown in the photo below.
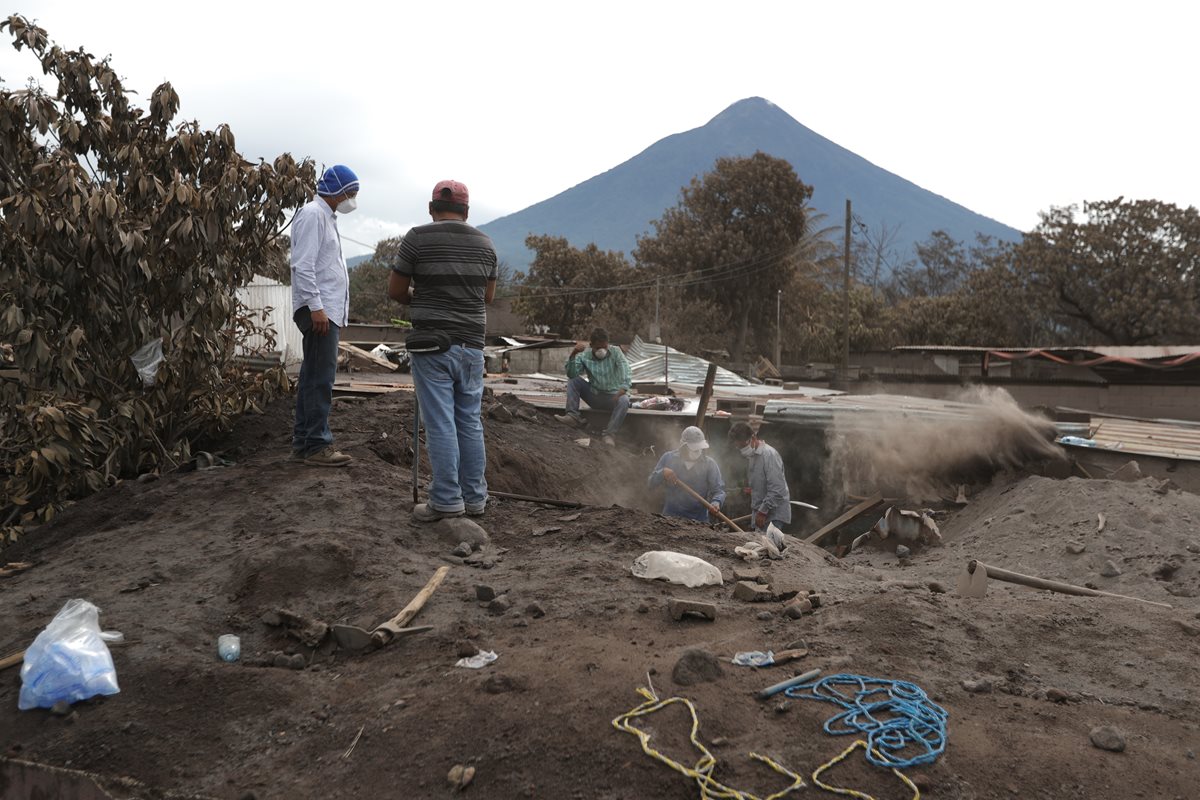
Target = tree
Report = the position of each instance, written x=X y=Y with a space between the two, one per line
x=1126 y=271
x=566 y=285
x=369 y=301
x=121 y=229
x=731 y=240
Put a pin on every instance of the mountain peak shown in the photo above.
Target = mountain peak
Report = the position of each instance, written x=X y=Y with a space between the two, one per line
x=615 y=207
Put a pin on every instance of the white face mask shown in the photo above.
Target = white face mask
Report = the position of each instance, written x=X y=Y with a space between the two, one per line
x=747 y=451
x=690 y=455
x=601 y=353
x=347 y=205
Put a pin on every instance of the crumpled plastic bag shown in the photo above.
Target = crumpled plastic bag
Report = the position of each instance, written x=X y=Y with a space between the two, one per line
x=477 y=661
x=146 y=360
x=754 y=658
x=69 y=660
x=676 y=568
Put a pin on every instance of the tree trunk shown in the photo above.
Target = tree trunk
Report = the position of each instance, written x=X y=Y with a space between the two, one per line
x=739 y=340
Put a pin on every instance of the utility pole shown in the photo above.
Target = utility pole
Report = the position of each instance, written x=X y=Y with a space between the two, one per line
x=778 y=332
x=656 y=334
x=846 y=302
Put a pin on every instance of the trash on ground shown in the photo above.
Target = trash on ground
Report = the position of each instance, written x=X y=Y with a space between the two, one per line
x=69 y=660
x=909 y=528
x=229 y=647
x=583 y=442
x=146 y=360
x=477 y=661
x=676 y=568
x=754 y=658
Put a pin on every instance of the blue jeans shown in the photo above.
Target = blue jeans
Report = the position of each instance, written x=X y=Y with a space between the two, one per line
x=314 y=390
x=580 y=387
x=450 y=388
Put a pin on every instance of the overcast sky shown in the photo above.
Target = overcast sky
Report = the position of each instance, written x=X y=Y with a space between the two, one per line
x=1007 y=108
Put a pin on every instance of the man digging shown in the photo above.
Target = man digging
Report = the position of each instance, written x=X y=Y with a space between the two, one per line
x=770 y=500
x=600 y=376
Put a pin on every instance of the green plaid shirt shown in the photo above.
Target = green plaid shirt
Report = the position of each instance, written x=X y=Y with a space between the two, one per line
x=608 y=376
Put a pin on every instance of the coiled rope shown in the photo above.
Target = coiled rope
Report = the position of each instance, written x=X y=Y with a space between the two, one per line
x=904 y=728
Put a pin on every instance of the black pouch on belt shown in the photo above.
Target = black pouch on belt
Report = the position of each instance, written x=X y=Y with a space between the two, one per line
x=427 y=341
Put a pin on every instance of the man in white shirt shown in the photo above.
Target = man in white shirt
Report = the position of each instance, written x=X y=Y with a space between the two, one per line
x=320 y=306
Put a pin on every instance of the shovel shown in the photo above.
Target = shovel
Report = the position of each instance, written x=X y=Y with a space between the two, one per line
x=708 y=505
x=350 y=637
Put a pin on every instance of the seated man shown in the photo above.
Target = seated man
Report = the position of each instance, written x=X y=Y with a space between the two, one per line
x=689 y=466
x=606 y=385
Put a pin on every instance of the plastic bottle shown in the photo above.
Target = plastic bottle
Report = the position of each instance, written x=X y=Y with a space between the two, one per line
x=229 y=647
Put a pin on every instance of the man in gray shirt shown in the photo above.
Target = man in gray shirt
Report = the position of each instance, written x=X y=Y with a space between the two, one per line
x=446 y=273
x=770 y=501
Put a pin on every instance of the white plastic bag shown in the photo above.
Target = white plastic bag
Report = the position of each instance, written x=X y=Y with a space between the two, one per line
x=69 y=659
x=676 y=568
x=477 y=661
x=146 y=360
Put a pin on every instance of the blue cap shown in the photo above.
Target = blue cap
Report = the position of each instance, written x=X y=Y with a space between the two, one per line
x=337 y=180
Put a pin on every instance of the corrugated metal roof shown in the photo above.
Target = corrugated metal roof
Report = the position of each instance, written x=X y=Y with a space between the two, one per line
x=1149 y=352
x=650 y=363
x=1163 y=439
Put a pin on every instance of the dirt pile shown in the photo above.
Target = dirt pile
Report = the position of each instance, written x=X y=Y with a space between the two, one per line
x=176 y=562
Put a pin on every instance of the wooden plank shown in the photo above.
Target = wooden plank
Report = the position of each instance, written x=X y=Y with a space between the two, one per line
x=363 y=360
x=860 y=509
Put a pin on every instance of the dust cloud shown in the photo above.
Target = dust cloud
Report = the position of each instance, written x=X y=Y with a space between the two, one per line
x=919 y=458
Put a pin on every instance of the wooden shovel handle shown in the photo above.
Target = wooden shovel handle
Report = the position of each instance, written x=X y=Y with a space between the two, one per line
x=414 y=607
x=708 y=505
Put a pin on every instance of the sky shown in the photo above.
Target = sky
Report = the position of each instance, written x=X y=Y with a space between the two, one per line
x=1006 y=108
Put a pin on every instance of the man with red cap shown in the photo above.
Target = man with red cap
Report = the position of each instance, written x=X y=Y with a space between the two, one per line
x=446 y=273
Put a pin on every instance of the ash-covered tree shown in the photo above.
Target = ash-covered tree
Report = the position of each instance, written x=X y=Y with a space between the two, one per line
x=566 y=285
x=121 y=229
x=1127 y=271
x=368 y=285
x=732 y=241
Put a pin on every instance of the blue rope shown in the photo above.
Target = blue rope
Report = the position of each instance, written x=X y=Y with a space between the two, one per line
x=904 y=727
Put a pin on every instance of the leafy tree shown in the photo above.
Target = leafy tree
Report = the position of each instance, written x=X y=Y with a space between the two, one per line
x=368 y=285
x=731 y=240
x=120 y=228
x=566 y=286
x=1127 y=271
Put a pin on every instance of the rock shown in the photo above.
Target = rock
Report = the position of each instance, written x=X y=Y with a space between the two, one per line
x=696 y=666
x=272 y=618
x=980 y=686
x=1109 y=570
x=748 y=574
x=752 y=592
x=484 y=593
x=786 y=590
x=500 y=604
x=798 y=608
x=460 y=776
x=456 y=530
x=465 y=648
x=61 y=708
x=535 y=610
x=1130 y=472
x=677 y=608
x=1106 y=737
x=921 y=780
x=643 y=609
x=1166 y=570
x=502 y=684
x=500 y=413
x=282 y=660
x=783 y=708
x=815 y=600
x=297 y=662
x=461 y=550
x=1192 y=547
x=937 y=587
x=1057 y=695
x=1075 y=548
x=765 y=616
x=902 y=551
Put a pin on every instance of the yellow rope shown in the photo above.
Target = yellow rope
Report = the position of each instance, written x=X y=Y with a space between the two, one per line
x=710 y=787
x=816 y=776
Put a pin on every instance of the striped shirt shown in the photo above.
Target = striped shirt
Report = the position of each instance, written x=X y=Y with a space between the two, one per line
x=450 y=264
x=606 y=375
